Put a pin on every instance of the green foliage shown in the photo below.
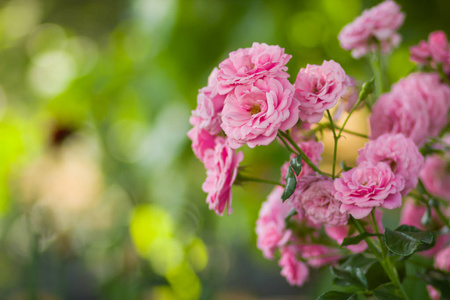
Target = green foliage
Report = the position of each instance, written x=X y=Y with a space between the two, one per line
x=294 y=169
x=406 y=240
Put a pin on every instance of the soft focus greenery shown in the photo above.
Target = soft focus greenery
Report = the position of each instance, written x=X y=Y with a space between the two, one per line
x=100 y=194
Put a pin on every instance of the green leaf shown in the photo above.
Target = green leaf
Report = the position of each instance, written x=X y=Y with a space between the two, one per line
x=354 y=276
x=405 y=240
x=344 y=166
x=296 y=164
x=335 y=295
x=426 y=218
x=289 y=216
x=354 y=240
x=387 y=292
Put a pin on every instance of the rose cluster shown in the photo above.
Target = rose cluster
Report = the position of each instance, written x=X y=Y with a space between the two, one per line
x=405 y=163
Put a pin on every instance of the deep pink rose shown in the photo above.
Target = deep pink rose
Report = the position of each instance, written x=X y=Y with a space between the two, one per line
x=209 y=106
x=318 y=88
x=245 y=66
x=433 y=293
x=429 y=89
x=378 y=24
x=294 y=270
x=318 y=255
x=435 y=176
x=443 y=259
x=421 y=53
x=221 y=165
x=254 y=113
x=314 y=196
x=367 y=186
x=399 y=152
x=400 y=112
x=439 y=47
x=201 y=139
x=313 y=151
x=271 y=229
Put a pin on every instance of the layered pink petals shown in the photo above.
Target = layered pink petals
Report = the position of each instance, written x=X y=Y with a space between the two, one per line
x=367 y=186
x=270 y=227
x=434 y=52
x=253 y=113
x=201 y=139
x=318 y=88
x=221 y=165
x=314 y=197
x=376 y=25
x=294 y=270
x=435 y=176
x=399 y=152
x=245 y=66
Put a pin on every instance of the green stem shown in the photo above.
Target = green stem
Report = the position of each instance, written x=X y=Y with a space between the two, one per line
x=305 y=158
x=286 y=144
x=335 y=142
x=341 y=129
x=242 y=178
x=441 y=215
x=375 y=63
x=375 y=227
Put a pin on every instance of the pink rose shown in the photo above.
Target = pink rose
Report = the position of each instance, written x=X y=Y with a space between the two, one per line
x=209 y=106
x=399 y=152
x=254 y=113
x=245 y=66
x=339 y=233
x=378 y=24
x=435 y=176
x=313 y=151
x=367 y=186
x=318 y=255
x=271 y=230
x=314 y=197
x=439 y=47
x=318 y=88
x=429 y=89
x=201 y=139
x=221 y=165
x=400 y=112
x=443 y=260
x=433 y=293
x=421 y=53
x=294 y=270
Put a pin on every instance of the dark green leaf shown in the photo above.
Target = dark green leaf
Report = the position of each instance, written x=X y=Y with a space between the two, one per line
x=358 y=261
x=335 y=295
x=289 y=216
x=296 y=164
x=291 y=183
x=376 y=276
x=426 y=218
x=354 y=240
x=353 y=276
x=406 y=240
x=387 y=292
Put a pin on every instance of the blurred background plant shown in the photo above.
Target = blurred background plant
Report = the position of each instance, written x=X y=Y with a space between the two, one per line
x=100 y=194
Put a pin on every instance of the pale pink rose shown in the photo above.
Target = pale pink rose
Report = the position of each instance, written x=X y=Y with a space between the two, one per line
x=209 y=106
x=314 y=196
x=443 y=259
x=435 y=176
x=433 y=293
x=245 y=66
x=271 y=229
x=318 y=255
x=376 y=25
x=339 y=233
x=254 y=113
x=221 y=165
x=400 y=112
x=367 y=186
x=429 y=89
x=399 y=152
x=313 y=151
x=318 y=88
x=201 y=139
x=294 y=270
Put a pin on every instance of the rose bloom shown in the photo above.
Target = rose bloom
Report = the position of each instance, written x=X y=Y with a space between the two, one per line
x=294 y=270
x=318 y=255
x=435 y=176
x=313 y=150
x=314 y=197
x=221 y=165
x=348 y=100
x=433 y=293
x=254 y=113
x=201 y=139
x=245 y=66
x=318 y=88
x=400 y=112
x=367 y=186
x=443 y=260
x=429 y=89
x=399 y=152
x=434 y=52
x=271 y=229
x=378 y=24
x=209 y=106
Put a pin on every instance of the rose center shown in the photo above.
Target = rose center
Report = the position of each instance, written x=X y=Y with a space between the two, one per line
x=255 y=109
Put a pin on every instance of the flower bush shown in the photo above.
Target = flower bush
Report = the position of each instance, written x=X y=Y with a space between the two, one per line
x=315 y=218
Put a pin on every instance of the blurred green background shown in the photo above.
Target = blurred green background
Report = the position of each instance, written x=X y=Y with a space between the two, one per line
x=100 y=193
